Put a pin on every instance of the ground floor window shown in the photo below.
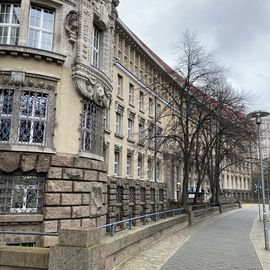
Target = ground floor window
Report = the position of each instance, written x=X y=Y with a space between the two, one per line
x=21 y=193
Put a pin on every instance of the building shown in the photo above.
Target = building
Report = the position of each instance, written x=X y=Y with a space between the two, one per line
x=64 y=65
x=55 y=82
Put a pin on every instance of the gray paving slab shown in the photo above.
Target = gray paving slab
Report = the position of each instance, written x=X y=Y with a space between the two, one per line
x=222 y=244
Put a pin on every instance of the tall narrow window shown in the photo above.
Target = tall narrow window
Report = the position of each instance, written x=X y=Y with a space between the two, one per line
x=149 y=168
x=119 y=85
x=116 y=163
x=129 y=165
x=141 y=130
x=9 y=24
x=158 y=170
x=96 y=47
x=41 y=25
x=92 y=131
x=141 y=101
x=130 y=128
x=140 y=166
x=33 y=115
x=6 y=107
x=151 y=107
x=131 y=93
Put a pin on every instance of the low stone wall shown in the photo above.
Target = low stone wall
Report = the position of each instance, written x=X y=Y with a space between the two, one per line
x=22 y=258
x=82 y=248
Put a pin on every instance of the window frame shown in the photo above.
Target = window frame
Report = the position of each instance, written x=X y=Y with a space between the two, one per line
x=16 y=117
x=96 y=46
x=10 y=187
x=40 y=28
x=11 y=25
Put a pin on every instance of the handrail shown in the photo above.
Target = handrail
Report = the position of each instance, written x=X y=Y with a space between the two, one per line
x=30 y=233
x=112 y=226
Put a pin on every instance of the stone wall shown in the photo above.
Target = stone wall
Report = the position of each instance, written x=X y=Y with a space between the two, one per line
x=131 y=198
x=75 y=191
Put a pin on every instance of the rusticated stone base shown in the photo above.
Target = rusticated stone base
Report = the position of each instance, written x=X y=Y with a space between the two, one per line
x=130 y=198
x=75 y=189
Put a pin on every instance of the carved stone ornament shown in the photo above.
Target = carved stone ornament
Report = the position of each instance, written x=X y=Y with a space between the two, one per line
x=92 y=90
x=17 y=78
x=71 y=25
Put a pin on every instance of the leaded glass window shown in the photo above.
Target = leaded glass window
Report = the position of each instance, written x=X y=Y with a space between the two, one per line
x=92 y=128
x=41 y=28
x=21 y=193
x=24 y=117
x=9 y=24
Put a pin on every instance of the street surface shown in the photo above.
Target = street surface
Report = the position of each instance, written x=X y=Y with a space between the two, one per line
x=224 y=242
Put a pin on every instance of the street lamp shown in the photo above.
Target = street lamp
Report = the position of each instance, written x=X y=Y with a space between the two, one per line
x=257 y=115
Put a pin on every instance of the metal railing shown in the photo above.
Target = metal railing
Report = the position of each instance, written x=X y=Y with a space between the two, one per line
x=30 y=233
x=203 y=206
x=144 y=219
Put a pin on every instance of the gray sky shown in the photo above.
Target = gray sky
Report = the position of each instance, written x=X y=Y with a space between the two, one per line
x=237 y=31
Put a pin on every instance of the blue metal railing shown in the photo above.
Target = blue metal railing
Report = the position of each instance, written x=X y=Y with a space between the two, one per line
x=155 y=216
x=203 y=206
x=30 y=233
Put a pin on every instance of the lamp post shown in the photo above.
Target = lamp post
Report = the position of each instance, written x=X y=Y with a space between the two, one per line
x=257 y=115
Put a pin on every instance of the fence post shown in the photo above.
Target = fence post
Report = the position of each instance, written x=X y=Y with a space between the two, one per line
x=78 y=249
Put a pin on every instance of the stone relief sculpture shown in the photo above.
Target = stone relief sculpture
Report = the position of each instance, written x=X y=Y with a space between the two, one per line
x=96 y=200
x=93 y=83
x=71 y=26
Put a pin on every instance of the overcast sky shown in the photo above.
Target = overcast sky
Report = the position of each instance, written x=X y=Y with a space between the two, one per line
x=237 y=31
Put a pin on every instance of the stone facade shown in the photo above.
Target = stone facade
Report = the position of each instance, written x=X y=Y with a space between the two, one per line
x=75 y=191
x=132 y=198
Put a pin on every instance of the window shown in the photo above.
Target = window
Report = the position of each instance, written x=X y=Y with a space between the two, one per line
x=151 y=107
x=158 y=109
x=119 y=85
x=141 y=130
x=141 y=101
x=21 y=193
x=151 y=135
x=96 y=46
x=131 y=93
x=106 y=119
x=41 y=28
x=129 y=165
x=140 y=166
x=27 y=122
x=9 y=24
x=149 y=168
x=118 y=123
x=116 y=169
x=158 y=170
x=130 y=128
x=92 y=130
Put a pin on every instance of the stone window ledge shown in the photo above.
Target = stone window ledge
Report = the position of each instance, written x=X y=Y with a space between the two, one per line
x=91 y=156
x=27 y=148
x=18 y=218
x=32 y=52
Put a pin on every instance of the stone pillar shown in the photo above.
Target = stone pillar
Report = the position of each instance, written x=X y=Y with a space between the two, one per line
x=111 y=201
x=78 y=249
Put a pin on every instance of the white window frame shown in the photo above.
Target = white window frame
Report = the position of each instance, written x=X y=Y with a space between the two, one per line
x=9 y=24
x=141 y=101
x=131 y=93
x=140 y=167
x=96 y=40
x=118 y=123
x=119 y=85
x=130 y=128
x=129 y=165
x=116 y=167
x=40 y=28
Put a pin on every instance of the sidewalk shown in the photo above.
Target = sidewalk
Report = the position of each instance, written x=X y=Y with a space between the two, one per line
x=157 y=254
x=257 y=238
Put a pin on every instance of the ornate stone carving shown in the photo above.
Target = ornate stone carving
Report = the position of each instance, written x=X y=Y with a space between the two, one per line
x=96 y=200
x=17 y=78
x=71 y=25
x=22 y=79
